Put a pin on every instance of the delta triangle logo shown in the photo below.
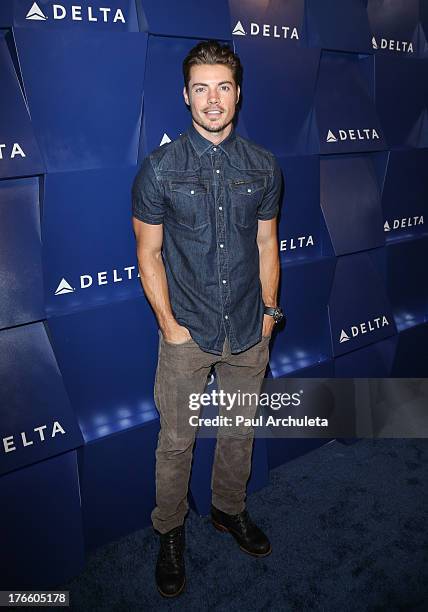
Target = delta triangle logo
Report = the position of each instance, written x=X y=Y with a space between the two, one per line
x=374 y=43
x=165 y=139
x=64 y=287
x=343 y=337
x=331 y=137
x=35 y=13
x=386 y=227
x=238 y=30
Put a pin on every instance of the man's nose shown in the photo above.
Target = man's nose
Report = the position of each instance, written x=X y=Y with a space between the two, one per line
x=213 y=97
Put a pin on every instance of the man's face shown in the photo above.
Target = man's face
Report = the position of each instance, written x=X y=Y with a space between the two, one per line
x=212 y=97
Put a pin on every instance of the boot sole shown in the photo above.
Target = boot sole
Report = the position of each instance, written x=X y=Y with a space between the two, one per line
x=224 y=529
x=168 y=595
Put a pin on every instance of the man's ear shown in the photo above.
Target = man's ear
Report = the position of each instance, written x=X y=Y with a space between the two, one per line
x=186 y=97
x=238 y=93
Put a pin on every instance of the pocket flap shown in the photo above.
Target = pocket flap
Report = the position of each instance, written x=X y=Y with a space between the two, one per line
x=248 y=187
x=189 y=188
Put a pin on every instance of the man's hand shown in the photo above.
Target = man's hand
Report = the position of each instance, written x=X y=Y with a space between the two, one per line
x=176 y=333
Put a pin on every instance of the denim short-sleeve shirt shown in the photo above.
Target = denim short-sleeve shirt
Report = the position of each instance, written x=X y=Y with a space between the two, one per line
x=209 y=199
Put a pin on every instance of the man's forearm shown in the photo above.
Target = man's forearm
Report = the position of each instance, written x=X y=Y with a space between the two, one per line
x=269 y=272
x=155 y=285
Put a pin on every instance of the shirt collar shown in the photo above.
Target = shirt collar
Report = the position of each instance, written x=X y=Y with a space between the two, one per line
x=202 y=144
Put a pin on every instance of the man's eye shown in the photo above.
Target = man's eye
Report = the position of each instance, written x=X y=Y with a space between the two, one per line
x=199 y=89
x=225 y=87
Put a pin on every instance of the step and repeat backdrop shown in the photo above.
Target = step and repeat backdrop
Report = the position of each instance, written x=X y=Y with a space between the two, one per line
x=336 y=89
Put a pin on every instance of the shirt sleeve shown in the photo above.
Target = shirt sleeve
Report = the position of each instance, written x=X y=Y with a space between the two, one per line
x=269 y=206
x=147 y=198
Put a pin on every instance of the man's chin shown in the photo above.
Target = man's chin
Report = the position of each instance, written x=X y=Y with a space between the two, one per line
x=212 y=127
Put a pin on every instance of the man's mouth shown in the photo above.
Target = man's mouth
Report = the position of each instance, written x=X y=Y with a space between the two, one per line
x=213 y=112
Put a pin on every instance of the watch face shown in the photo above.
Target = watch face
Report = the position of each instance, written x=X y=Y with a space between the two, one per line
x=277 y=315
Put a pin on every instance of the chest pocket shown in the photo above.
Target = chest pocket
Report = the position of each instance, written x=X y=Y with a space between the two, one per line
x=246 y=195
x=189 y=200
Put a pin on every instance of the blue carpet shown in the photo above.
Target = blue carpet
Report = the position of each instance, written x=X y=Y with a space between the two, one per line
x=349 y=530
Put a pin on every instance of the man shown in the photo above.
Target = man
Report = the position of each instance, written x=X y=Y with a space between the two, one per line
x=204 y=216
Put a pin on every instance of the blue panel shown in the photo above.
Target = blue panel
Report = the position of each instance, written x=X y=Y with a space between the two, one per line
x=276 y=21
x=401 y=100
x=305 y=341
x=267 y=38
x=118 y=484
x=300 y=220
x=360 y=313
x=95 y=206
x=404 y=198
x=114 y=16
x=108 y=358
x=406 y=281
x=411 y=359
x=338 y=24
x=346 y=115
x=165 y=113
x=375 y=360
x=350 y=200
x=394 y=25
x=19 y=153
x=21 y=279
x=91 y=118
x=36 y=419
x=42 y=539
x=186 y=18
x=423 y=32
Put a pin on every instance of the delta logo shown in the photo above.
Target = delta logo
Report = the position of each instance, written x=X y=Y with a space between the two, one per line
x=358 y=134
x=98 y=279
x=266 y=30
x=76 y=13
x=365 y=327
x=404 y=223
x=289 y=244
x=392 y=45
x=11 y=151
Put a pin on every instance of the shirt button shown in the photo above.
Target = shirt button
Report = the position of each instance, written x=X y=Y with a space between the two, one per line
x=220 y=207
x=224 y=282
x=192 y=191
x=226 y=317
x=249 y=190
x=218 y=171
x=214 y=148
x=221 y=246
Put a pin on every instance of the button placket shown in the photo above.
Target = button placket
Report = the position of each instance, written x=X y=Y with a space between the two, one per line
x=223 y=254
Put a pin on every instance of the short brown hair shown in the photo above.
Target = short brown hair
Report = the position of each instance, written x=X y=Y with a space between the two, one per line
x=212 y=52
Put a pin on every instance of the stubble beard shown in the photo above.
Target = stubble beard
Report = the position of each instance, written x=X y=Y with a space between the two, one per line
x=211 y=128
